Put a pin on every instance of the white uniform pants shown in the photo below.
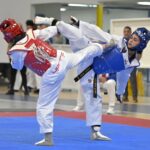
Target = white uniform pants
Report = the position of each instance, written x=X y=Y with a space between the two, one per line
x=93 y=106
x=51 y=85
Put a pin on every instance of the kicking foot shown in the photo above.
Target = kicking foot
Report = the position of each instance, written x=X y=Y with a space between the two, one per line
x=44 y=143
x=43 y=20
x=74 y=21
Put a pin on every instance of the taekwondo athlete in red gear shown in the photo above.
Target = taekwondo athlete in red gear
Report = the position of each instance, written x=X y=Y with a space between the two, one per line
x=27 y=49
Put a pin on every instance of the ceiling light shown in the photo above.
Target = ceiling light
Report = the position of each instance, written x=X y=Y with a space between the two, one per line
x=63 y=9
x=81 y=5
x=77 y=5
x=143 y=3
x=92 y=5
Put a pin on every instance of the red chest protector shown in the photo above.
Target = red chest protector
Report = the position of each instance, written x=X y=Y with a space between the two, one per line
x=38 y=59
x=39 y=53
x=35 y=65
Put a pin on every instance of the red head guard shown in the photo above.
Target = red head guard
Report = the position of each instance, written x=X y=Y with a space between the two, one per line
x=10 y=28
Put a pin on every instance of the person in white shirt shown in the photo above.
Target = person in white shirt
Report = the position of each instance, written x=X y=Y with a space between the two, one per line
x=109 y=84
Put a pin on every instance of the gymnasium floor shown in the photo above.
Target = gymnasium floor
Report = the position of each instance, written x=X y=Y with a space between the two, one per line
x=128 y=127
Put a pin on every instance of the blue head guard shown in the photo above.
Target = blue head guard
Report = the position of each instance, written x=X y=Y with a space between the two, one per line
x=144 y=36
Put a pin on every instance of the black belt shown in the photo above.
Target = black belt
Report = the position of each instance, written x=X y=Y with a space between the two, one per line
x=84 y=72
x=95 y=86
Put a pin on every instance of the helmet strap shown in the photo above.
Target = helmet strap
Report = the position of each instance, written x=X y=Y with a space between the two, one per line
x=18 y=38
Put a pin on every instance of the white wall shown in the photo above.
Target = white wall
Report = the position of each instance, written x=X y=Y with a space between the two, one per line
x=120 y=14
x=21 y=10
x=117 y=26
x=50 y=10
x=89 y=15
x=66 y=1
x=85 y=14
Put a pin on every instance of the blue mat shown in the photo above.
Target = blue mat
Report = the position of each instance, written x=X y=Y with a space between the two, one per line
x=20 y=133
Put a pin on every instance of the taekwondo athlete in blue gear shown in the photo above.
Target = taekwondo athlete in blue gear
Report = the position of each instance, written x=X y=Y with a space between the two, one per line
x=129 y=49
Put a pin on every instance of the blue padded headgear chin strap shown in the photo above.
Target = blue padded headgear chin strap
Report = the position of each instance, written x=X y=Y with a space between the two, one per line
x=144 y=36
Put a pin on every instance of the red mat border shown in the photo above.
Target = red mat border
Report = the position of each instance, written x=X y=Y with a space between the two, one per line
x=81 y=115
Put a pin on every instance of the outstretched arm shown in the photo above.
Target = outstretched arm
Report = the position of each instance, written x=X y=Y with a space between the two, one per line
x=67 y=30
x=46 y=33
x=76 y=39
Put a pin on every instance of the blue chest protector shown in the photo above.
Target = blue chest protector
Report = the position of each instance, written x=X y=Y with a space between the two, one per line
x=109 y=62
